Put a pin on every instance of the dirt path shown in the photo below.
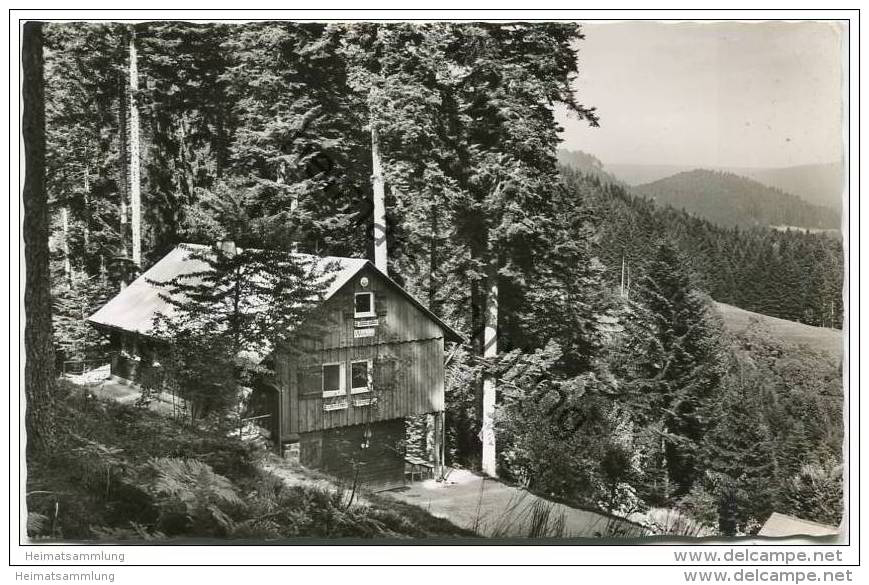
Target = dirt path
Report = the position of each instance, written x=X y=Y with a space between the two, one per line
x=491 y=508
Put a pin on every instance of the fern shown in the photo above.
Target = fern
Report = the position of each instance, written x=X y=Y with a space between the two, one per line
x=189 y=488
x=101 y=464
x=135 y=531
x=38 y=525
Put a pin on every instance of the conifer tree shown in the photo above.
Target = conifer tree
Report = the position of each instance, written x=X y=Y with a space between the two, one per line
x=299 y=137
x=737 y=450
x=509 y=166
x=675 y=361
x=82 y=150
x=187 y=123
x=235 y=308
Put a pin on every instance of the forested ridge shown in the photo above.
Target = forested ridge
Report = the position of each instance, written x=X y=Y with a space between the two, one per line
x=817 y=184
x=586 y=308
x=731 y=200
x=791 y=274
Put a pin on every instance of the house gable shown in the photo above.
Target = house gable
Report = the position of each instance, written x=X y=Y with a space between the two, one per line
x=400 y=340
x=394 y=317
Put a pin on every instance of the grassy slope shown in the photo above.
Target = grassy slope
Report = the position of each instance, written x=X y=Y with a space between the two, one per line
x=819 y=339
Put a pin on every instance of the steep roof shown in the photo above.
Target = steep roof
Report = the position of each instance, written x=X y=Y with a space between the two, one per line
x=136 y=306
x=784 y=525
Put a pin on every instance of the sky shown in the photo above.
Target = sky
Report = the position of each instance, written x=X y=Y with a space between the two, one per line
x=710 y=94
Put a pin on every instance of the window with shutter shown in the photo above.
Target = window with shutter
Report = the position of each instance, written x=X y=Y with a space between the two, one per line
x=310 y=381
x=380 y=303
x=385 y=371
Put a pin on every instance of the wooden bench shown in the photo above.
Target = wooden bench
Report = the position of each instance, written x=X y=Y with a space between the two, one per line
x=419 y=468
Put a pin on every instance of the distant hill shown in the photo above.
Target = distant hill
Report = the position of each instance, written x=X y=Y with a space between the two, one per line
x=816 y=184
x=587 y=164
x=640 y=174
x=791 y=274
x=731 y=200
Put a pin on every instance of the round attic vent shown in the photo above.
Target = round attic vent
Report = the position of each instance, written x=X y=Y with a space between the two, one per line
x=363 y=282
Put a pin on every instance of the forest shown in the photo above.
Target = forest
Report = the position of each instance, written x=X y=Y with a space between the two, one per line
x=617 y=387
x=793 y=273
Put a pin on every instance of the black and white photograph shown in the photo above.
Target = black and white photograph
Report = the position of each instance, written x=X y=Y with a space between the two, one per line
x=453 y=281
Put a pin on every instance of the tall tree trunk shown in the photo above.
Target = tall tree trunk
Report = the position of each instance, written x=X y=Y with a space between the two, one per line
x=433 y=259
x=282 y=180
x=87 y=208
x=184 y=153
x=123 y=178
x=221 y=147
x=38 y=346
x=135 y=187
x=490 y=352
x=380 y=252
x=622 y=286
x=479 y=296
x=64 y=224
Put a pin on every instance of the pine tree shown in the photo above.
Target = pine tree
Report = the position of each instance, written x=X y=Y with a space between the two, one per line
x=82 y=93
x=229 y=315
x=508 y=167
x=570 y=302
x=187 y=123
x=299 y=137
x=674 y=362
x=397 y=71
x=74 y=300
x=464 y=147
x=737 y=450
x=815 y=493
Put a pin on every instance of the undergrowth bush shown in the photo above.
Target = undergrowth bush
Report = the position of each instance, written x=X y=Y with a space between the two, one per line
x=125 y=473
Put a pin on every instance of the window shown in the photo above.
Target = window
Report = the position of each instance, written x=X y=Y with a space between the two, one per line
x=360 y=376
x=333 y=380
x=363 y=305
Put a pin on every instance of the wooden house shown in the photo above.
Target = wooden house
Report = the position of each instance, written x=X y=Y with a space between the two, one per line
x=339 y=400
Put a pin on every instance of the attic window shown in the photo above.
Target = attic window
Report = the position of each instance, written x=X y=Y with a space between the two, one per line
x=333 y=380
x=360 y=376
x=363 y=305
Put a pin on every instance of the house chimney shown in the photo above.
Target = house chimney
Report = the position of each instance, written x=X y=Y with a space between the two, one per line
x=227 y=247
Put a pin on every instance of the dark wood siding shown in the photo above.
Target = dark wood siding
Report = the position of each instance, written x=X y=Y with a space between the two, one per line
x=408 y=379
x=140 y=369
x=406 y=349
x=339 y=452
